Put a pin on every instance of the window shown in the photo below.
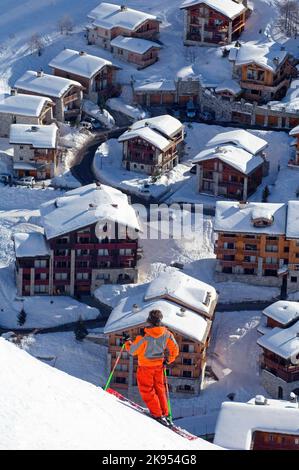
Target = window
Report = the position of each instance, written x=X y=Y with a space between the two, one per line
x=103 y=276
x=43 y=276
x=272 y=248
x=228 y=246
x=187 y=362
x=228 y=257
x=250 y=259
x=40 y=289
x=227 y=269
x=82 y=276
x=82 y=252
x=250 y=247
x=293 y=279
x=187 y=373
x=103 y=252
x=61 y=252
x=40 y=263
x=61 y=276
x=286 y=249
x=125 y=251
x=120 y=380
x=185 y=348
x=62 y=241
x=83 y=239
x=271 y=260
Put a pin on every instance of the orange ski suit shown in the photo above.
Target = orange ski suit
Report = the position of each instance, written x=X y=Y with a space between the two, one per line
x=157 y=344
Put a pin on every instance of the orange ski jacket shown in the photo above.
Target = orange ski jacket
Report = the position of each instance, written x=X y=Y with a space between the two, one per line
x=157 y=344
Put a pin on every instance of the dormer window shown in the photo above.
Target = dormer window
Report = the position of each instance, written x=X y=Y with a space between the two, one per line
x=262 y=217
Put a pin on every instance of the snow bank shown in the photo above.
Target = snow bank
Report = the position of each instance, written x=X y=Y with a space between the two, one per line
x=62 y=412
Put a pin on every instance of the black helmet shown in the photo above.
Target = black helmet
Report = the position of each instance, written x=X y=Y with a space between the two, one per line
x=155 y=317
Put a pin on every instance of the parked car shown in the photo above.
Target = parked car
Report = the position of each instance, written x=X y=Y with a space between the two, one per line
x=26 y=181
x=5 y=178
x=95 y=124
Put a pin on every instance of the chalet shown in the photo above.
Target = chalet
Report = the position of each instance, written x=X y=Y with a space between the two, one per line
x=212 y=22
x=191 y=326
x=109 y=21
x=232 y=165
x=280 y=314
x=24 y=109
x=152 y=145
x=35 y=150
x=229 y=90
x=279 y=361
x=264 y=71
x=140 y=52
x=294 y=161
x=66 y=94
x=96 y=75
x=257 y=241
x=260 y=424
x=90 y=238
x=157 y=93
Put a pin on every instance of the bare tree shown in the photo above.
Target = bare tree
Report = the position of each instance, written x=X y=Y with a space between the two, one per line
x=289 y=17
x=36 y=44
x=65 y=24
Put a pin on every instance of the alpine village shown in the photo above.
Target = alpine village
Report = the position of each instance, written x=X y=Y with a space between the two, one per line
x=120 y=126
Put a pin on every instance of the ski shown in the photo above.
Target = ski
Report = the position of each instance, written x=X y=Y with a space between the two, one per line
x=140 y=409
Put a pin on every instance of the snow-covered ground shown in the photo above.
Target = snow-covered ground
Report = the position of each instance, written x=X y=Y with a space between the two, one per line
x=82 y=359
x=108 y=168
x=45 y=311
x=48 y=409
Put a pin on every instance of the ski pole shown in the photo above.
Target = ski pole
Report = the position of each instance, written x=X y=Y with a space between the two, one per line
x=114 y=367
x=168 y=395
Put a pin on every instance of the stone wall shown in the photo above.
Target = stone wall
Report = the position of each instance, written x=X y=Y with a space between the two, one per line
x=271 y=383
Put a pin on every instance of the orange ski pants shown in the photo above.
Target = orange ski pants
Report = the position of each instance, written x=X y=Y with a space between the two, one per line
x=151 y=386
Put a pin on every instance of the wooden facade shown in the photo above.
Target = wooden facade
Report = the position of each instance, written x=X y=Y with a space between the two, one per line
x=261 y=84
x=99 y=87
x=218 y=178
x=143 y=156
x=44 y=160
x=141 y=60
x=102 y=37
x=78 y=263
x=272 y=440
x=205 y=26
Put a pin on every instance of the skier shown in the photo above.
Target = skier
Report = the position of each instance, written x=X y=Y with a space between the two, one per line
x=155 y=349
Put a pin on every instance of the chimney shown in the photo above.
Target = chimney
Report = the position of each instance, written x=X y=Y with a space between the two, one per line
x=34 y=129
x=82 y=53
x=123 y=8
x=181 y=312
x=114 y=205
x=260 y=400
x=135 y=308
x=40 y=73
x=92 y=206
x=242 y=204
x=13 y=92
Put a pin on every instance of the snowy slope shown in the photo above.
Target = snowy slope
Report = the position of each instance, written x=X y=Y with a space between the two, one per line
x=43 y=408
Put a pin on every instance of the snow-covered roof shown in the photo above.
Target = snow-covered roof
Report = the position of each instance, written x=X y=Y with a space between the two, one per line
x=24 y=105
x=228 y=8
x=108 y=16
x=294 y=131
x=283 y=311
x=166 y=124
x=160 y=85
x=236 y=157
x=158 y=130
x=187 y=323
x=78 y=63
x=147 y=134
x=30 y=244
x=268 y=55
x=282 y=341
x=85 y=206
x=229 y=85
x=139 y=46
x=184 y=290
x=37 y=136
x=292 y=230
x=236 y=217
x=237 y=422
x=45 y=84
x=241 y=138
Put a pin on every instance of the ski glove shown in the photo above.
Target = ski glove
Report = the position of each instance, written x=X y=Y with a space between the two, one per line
x=126 y=337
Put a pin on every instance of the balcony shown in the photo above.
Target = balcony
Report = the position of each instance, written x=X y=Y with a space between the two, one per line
x=287 y=373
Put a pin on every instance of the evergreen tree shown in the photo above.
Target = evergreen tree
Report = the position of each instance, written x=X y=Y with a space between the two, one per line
x=266 y=194
x=80 y=330
x=22 y=317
